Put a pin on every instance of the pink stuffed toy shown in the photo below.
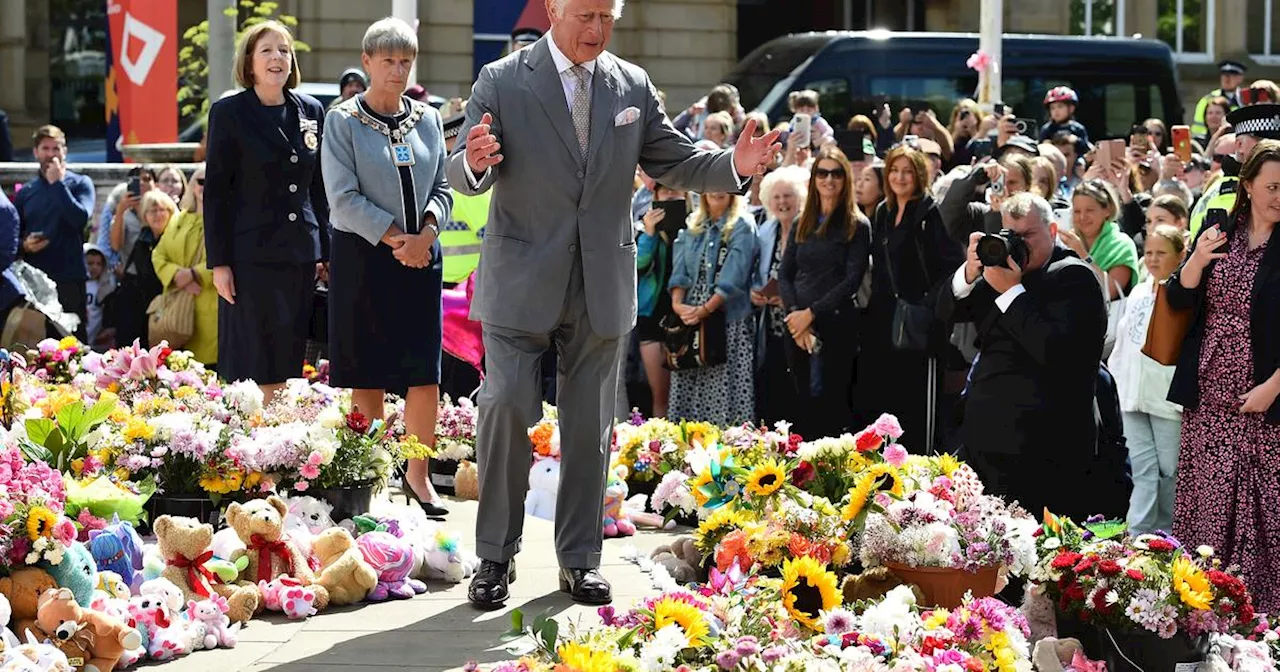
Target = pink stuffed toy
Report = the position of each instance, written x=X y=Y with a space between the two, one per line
x=218 y=628
x=288 y=595
x=392 y=558
x=166 y=633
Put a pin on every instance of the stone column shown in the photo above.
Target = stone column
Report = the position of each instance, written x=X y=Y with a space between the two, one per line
x=686 y=45
x=13 y=57
x=221 y=49
x=446 y=47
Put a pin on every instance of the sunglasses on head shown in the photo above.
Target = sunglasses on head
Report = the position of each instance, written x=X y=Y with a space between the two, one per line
x=820 y=173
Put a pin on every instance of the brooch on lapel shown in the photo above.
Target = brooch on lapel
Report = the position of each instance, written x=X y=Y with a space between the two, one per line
x=310 y=133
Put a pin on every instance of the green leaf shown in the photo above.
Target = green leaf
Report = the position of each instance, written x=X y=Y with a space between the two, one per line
x=625 y=641
x=39 y=430
x=517 y=621
x=550 y=631
x=35 y=453
x=99 y=413
x=511 y=636
x=69 y=418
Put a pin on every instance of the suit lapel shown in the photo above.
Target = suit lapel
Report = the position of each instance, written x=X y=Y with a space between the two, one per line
x=269 y=124
x=546 y=86
x=604 y=92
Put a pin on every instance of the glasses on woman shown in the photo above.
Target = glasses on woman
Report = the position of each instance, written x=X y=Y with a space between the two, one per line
x=835 y=173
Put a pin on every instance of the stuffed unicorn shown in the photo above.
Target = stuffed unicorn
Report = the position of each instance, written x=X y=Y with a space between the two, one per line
x=392 y=558
x=118 y=548
x=616 y=523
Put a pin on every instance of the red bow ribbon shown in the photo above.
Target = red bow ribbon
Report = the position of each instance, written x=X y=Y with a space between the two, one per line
x=162 y=618
x=198 y=575
x=265 y=548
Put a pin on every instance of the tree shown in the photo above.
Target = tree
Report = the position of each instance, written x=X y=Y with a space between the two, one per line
x=193 y=65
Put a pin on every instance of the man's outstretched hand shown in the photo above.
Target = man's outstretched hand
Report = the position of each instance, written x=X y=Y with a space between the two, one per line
x=752 y=155
x=482 y=146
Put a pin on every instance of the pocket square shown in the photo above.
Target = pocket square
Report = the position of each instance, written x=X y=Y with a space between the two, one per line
x=627 y=116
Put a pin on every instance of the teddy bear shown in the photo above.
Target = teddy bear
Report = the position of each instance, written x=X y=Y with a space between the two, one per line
x=873 y=584
x=118 y=608
x=260 y=525
x=343 y=571
x=60 y=616
x=466 y=482
x=78 y=571
x=392 y=558
x=118 y=548
x=23 y=589
x=184 y=543
x=286 y=595
x=544 y=483
x=315 y=515
x=212 y=612
x=1063 y=655
x=616 y=523
x=681 y=559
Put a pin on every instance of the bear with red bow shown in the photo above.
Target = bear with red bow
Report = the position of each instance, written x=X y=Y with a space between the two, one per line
x=185 y=544
x=260 y=525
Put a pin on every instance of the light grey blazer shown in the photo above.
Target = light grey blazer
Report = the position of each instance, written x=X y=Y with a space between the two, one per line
x=363 y=183
x=549 y=208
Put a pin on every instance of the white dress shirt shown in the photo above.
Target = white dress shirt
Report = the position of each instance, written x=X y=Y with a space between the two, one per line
x=960 y=289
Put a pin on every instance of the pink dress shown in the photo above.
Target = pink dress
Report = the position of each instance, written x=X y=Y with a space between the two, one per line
x=1228 y=492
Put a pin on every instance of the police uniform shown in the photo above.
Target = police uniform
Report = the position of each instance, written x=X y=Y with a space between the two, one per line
x=1260 y=121
x=267 y=218
x=1198 y=127
x=460 y=236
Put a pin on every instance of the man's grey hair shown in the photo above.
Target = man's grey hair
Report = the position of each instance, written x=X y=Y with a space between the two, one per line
x=390 y=36
x=557 y=7
x=1175 y=188
x=1024 y=203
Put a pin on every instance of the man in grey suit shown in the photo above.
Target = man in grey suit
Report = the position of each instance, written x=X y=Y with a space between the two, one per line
x=558 y=266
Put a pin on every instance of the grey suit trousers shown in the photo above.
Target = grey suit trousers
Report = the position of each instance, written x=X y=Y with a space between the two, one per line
x=510 y=402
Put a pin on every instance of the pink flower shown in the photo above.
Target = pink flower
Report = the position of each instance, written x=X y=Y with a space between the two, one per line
x=310 y=471
x=895 y=454
x=887 y=425
x=47 y=346
x=301 y=486
x=64 y=531
x=979 y=61
x=315 y=459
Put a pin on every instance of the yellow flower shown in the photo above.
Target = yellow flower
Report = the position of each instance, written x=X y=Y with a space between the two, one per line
x=766 y=479
x=855 y=462
x=40 y=522
x=692 y=621
x=68 y=342
x=890 y=480
x=576 y=657
x=138 y=429
x=254 y=478
x=696 y=486
x=701 y=433
x=113 y=387
x=947 y=464
x=723 y=521
x=840 y=555
x=937 y=619
x=998 y=640
x=807 y=590
x=59 y=400
x=184 y=392
x=1191 y=583
x=858 y=497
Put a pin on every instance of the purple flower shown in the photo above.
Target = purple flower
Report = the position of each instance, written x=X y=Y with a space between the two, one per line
x=747 y=646
x=606 y=614
x=727 y=660
x=773 y=654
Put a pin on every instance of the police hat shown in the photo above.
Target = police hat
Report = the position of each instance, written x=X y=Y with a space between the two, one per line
x=525 y=35
x=1231 y=68
x=1260 y=121
x=453 y=125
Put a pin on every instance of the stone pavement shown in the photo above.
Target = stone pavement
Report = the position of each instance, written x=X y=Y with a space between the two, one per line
x=438 y=630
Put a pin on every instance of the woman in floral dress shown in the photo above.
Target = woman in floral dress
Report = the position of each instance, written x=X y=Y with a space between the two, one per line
x=1228 y=379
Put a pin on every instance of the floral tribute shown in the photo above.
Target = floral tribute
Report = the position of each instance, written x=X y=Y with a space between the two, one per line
x=456 y=430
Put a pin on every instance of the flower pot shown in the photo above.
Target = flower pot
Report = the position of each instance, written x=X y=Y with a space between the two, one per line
x=646 y=488
x=1070 y=625
x=944 y=587
x=196 y=505
x=1146 y=652
x=347 y=502
x=443 y=473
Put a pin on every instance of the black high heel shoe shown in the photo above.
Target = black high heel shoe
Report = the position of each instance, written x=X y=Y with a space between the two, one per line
x=432 y=510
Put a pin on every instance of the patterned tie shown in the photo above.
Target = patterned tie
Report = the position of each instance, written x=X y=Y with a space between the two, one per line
x=582 y=107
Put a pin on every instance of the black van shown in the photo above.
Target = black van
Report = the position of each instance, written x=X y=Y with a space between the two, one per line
x=1120 y=81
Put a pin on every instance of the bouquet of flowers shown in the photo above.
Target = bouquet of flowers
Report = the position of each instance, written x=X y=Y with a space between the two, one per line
x=456 y=430
x=832 y=467
x=32 y=524
x=648 y=448
x=132 y=370
x=807 y=527
x=317 y=373
x=56 y=362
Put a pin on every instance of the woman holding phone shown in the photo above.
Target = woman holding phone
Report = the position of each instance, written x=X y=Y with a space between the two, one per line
x=659 y=228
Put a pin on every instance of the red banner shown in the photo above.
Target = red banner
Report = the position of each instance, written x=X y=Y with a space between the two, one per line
x=142 y=81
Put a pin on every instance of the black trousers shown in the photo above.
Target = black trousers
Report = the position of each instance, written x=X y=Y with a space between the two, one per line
x=71 y=294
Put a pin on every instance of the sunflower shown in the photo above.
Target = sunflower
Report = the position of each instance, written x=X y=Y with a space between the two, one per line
x=808 y=589
x=892 y=482
x=858 y=497
x=1192 y=584
x=695 y=486
x=766 y=479
x=576 y=657
x=689 y=617
x=40 y=522
x=947 y=464
x=723 y=521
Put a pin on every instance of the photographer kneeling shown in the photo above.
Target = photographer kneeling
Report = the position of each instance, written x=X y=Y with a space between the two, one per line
x=1029 y=429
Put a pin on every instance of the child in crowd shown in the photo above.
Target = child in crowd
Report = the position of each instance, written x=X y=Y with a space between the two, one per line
x=98 y=287
x=1062 y=101
x=806 y=102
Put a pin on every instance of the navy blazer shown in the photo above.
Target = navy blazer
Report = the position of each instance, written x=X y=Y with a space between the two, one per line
x=264 y=200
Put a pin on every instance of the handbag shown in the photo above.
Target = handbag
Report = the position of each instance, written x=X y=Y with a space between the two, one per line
x=171 y=316
x=702 y=344
x=1115 y=312
x=911 y=322
x=1167 y=329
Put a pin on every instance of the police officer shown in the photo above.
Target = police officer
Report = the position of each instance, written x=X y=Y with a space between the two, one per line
x=1250 y=124
x=1230 y=76
x=460 y=237
x=265 y=212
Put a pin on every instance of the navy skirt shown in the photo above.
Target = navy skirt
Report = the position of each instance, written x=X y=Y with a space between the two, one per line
x=263 y=337
x=384 y=317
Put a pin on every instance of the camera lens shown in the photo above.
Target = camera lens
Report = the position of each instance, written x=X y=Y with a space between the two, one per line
x=1021 y=126
x=992 y=250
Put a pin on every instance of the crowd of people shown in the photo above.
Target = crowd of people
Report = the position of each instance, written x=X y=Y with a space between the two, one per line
x=992 y=286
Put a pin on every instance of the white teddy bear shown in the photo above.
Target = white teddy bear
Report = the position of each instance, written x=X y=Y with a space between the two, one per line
x=544 y=483
x=316 y=515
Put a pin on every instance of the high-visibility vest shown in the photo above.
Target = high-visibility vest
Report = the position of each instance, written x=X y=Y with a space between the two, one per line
x=1220 y=194
x=1198 y=127
x=460 y=238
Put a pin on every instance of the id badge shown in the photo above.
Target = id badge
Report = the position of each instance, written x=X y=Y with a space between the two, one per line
x=402 y=154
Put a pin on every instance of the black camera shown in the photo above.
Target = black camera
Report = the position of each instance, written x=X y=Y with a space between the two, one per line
x=995 y=249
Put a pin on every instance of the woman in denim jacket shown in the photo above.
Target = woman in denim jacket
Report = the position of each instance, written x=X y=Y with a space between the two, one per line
x=721 y=394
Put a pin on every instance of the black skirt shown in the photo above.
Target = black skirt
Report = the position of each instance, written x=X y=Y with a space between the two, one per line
x=263 y=337
x=384 y=317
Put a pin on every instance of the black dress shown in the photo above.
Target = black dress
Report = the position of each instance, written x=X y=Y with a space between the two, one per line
x=140 y=285
x=384 y=318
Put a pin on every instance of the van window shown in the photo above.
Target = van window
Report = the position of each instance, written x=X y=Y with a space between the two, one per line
x=940 y=92
x=833 y=99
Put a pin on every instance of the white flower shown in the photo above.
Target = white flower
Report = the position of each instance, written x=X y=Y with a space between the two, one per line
x=33 y=558
x=244 y=396
x=1205 y=551
x=55 y=556
x=659 y=653
x=1112 y=597
x=330 y=418
x=1052 y=543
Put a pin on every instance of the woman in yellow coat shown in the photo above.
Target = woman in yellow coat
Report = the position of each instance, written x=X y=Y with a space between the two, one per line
x=179 y=259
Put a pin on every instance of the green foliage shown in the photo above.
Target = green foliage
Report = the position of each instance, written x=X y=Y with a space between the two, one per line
x=193 y=65
x=541 y=636
x=60 y=440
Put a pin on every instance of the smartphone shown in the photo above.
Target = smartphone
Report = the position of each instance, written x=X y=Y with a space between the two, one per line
x=802 y=128
x=998 y=186
x=770 y=289
x=1139 y=139
x=998 y=109
x=850 y=142
x=677 y=212
x=1215 y=217
x=1181 y=136
x=135 y=186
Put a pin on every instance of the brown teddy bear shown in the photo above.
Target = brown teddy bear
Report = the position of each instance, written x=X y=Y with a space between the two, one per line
x=873 y=584
x=260 y=525
x=107 y=638
x=466 y=482
x=343 y=571
x=681 y=560
x=23 y=588
x=185 y=546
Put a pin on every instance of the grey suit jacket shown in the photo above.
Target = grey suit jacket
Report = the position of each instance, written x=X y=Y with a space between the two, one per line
x=550 y=208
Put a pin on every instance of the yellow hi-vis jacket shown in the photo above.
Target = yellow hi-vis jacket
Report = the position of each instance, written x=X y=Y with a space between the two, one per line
x=460 y=238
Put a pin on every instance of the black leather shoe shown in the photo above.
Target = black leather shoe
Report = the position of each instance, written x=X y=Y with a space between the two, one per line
x=489 y=587
x=586 y=586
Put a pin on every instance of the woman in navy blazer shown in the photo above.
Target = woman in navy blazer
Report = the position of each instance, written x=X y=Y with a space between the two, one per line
x=266 y=215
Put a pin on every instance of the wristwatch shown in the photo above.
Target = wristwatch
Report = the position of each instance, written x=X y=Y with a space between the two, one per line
x=1088 y=260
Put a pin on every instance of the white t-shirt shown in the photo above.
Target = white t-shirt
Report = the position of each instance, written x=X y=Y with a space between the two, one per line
x=1143 y=382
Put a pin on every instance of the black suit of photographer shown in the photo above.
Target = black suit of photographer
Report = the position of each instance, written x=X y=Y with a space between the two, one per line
x=1029 y=428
